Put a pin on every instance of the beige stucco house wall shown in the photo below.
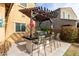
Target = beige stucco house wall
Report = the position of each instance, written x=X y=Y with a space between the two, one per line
x=2 y=17
x=58 y=23
x=15 y=16
x=68 y=13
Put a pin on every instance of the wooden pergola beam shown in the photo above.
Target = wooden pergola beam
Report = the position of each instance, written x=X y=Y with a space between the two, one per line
x=41 y=14
x=8 y=7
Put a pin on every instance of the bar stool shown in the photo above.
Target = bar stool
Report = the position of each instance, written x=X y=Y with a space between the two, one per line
x=43 y=41
x=59 y=43
x=51 y=41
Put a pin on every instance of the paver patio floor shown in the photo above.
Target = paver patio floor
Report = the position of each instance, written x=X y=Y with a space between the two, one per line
x=16 y=50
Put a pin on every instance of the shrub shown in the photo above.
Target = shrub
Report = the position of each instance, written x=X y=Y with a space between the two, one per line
x=78 y=37
x=69 y=33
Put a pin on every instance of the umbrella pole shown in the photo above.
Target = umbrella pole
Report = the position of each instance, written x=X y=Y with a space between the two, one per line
x=30 y=33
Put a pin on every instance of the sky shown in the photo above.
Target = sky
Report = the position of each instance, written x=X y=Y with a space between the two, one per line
x=53 y=6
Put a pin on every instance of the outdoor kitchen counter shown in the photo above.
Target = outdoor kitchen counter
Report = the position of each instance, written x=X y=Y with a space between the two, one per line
x=31 y=46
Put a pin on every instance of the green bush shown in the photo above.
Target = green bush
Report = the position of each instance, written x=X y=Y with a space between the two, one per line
x=69 y=33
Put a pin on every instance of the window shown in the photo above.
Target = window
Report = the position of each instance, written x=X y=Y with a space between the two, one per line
x=1 y=23
x=63 y=15
x=23 y=4
x=20 y=27
x=68 y=16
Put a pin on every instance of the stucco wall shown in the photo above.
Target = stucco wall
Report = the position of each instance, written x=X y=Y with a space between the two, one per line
x=16 y=16
x=57 y=23
x=2 y=16
x=66 y=12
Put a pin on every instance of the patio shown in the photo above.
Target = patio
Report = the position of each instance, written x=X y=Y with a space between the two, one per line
x=58 y=49
x=26 y=47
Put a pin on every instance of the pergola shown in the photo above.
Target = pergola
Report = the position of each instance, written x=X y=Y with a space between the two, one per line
x=38 y=14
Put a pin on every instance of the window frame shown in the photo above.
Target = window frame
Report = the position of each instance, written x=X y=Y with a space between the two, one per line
x=20 y=28
x=64 y=15
x=1 y=22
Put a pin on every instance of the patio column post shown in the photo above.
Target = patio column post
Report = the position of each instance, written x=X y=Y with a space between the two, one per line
x=31 y=25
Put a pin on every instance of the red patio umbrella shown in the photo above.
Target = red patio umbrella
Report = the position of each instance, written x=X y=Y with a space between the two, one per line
x=32 y=26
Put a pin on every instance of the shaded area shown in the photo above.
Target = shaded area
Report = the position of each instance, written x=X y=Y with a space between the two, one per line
x=22 y=47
